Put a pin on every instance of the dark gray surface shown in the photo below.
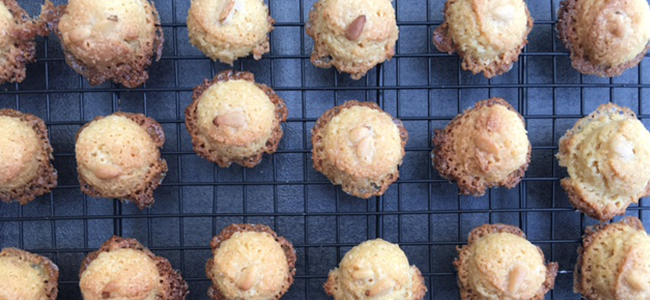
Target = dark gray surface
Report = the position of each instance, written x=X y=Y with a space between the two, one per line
x=421 y=212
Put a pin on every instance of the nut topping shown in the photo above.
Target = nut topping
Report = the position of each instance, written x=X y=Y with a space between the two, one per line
x=382 y=287
x=366 y=150
x=636 y=282
x=358 y=133
x=227 y=9
x=486 y=145
x=80 y=34
x=236 y=119
x=362 y=274
x=623 y=148
x=354 y=30
x=516 y=277
x=106 y=171
x=247 y=278
x=504 y=12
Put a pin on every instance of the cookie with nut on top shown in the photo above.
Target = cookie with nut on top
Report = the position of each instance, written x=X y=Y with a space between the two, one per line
x=352 y=35
x=486 y=146
x=499 y=263
x=250 y=262
x=360 y=147
x=233 y=119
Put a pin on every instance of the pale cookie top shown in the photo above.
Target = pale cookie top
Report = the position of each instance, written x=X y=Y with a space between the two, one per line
x=488 y=34
x=485 y=146
x=250 y=262
x=27 y=276
x=115 y=155
x=20 y=148
x=499 y=263
x=614 y=262
x=375 y=269
x=607 y=156
x=17 y=47
x=605 y=37
x=229 y=29
x=354 y=36
x=110 y=40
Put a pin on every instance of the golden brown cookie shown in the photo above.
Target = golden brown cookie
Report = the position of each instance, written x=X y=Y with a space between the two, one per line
x=487 y=34
x=375 y=269
x=605 y=37
x=27 y=276
x=499 y=263
x=235 y=120
x=607 y=156
x=124 y=269
x=113 y=40
x=486 y=146
x=26 y=171
x=17 y=46
x=226 y=30
x=352 y=35
x=613 y=262
x=118 y=156
x=250 y=262
x=360 y=147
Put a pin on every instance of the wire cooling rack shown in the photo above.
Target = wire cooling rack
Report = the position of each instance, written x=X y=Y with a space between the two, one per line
x=421 y=212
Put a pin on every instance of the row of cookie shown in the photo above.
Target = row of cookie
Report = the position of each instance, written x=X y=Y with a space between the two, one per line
x=117 y=40
x=253 y=262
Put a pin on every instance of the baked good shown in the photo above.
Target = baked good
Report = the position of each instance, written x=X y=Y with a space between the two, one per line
x=499 y=263
x=613 y=262
x=352 y=35
x=360 y=147
x=375 y=269
x=226 y=30
x=17 y=46
x=235 y=120
x=250 y=262
x=607 y=156
x=486 y=146
x=488 y=35
x=124 y=269
x=27 y=276
x=25 y=153
x=605 y=37
x=118 y=156
x=108 y=40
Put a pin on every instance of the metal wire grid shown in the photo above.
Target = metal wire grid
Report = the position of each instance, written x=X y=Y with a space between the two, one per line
x=421 y=212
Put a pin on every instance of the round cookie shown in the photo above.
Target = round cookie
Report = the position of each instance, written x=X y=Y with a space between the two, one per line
x=27 y=276
x=499 y=263
x=488 y=35
x=17 y=46
x=25 y=153
x=486 y=146
x=360 y=147
x=124 y=269
x=375 y=269
x=235 y=120
x=108 y=40
x=607 y=156
x=605 y=37
x=118 y=156
x=250 y=262
x=352 y=35
x=226 y=30
x=613 y=262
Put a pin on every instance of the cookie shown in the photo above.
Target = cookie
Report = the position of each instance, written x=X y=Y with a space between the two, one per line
x=605 y=37
x=352 y=35
x=613 y=262
x=235 y=120
x=124 y=269
x=26 y=171
x=113 y=40
x=27 y=276
x=607 y=156
x=226 y=30
x=17 y=46
x=375 y=269
x=499 y=263
x=486 y=146
x=360 y=147
x=118 y=156
x=250 y=262
x=488 y=35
